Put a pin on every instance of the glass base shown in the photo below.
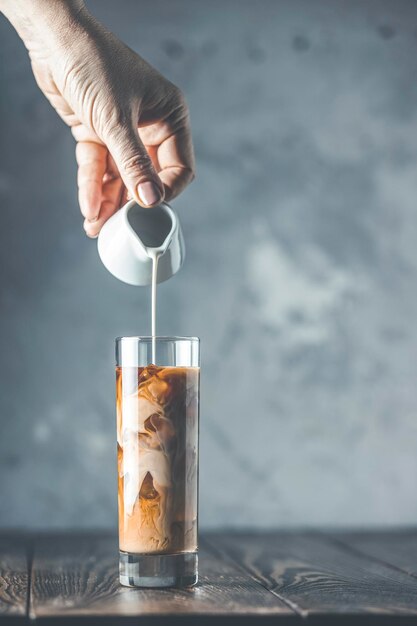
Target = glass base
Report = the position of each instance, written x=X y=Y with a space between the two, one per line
x=158 y=570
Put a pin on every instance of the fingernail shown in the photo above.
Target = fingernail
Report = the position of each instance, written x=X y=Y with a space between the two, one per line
x=149 y=193
x=92 y=220
x=86 y=225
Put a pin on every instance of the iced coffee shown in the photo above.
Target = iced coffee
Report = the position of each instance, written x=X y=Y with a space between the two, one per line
x=157 y=444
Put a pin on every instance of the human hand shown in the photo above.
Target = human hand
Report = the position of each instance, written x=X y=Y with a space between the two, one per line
x=130 y=123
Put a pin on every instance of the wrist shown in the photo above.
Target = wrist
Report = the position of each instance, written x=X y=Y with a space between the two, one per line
x=50 y=20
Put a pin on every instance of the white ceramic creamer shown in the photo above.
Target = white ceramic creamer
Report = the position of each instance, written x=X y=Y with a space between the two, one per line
x=133 y=238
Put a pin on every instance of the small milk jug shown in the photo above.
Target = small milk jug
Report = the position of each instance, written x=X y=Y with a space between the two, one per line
x=130 y=238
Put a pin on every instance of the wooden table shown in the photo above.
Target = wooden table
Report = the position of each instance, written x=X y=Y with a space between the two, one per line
x=276 y=578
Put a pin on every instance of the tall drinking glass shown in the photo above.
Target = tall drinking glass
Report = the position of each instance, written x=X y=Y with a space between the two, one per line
x=157 y=397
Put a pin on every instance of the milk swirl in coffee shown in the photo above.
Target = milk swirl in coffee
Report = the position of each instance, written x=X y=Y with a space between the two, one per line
x=157 y=422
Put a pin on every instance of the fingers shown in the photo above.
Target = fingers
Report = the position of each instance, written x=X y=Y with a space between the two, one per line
x=112 y=192
x=91 y=158
x=135 y=165
x=176 y=162
x=125 y=159
x=92 y=229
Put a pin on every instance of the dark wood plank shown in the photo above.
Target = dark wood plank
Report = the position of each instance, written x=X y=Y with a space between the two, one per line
x=323 y=579
x=395 y=547
x=77 y=576
x=14 y=578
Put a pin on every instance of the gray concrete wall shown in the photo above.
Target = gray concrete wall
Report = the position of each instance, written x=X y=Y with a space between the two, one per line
x=301 y=275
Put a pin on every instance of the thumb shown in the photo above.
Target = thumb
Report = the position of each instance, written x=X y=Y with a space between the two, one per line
x=135 y=166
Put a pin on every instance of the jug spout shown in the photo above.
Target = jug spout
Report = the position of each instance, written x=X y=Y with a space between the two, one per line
x=129 y=239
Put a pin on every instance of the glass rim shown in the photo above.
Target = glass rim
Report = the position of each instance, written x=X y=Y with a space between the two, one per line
x=150 y=338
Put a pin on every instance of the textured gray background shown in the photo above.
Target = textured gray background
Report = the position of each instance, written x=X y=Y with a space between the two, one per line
x=300 y=277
